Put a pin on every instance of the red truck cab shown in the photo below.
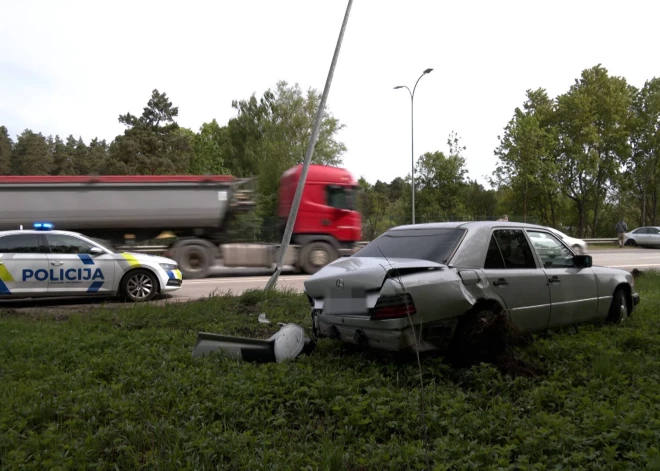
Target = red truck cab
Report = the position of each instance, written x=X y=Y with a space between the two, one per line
x=328 y=223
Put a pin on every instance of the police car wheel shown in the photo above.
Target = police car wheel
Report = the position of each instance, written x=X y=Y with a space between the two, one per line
x=139 y=286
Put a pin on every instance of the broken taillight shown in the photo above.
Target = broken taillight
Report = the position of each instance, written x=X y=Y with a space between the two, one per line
x=393 y=307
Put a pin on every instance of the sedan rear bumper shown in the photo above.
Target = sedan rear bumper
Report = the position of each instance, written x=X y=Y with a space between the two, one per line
x=395 y=340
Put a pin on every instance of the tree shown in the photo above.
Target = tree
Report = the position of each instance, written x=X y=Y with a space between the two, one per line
x=271 y=134
x=152 y=143
x=373 y=206
x=593 y=140
x=97 y=152
x=644 y=164
x=478 y=202
x=6 y=146
x=31 y=155
x=63 y=156
x=208 y=145
x=440 y=180
x=527 y=153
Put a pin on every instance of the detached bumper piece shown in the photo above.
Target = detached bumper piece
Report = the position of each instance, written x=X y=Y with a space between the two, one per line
x=286 y=344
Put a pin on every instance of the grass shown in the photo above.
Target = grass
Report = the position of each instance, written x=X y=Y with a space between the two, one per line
x=118 y=389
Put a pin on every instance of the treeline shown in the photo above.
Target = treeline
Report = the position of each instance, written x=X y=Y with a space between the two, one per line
x=577 y=162
x=268 y=135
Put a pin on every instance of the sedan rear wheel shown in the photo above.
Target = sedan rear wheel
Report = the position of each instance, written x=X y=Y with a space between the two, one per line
x=619 y=308
x=480 y=335
x=139 y=286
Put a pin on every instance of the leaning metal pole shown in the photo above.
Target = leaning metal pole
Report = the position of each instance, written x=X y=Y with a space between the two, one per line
x=412 y=149
x=286 y=239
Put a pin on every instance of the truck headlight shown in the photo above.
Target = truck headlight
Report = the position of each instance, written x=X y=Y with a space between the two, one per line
x=169 y=266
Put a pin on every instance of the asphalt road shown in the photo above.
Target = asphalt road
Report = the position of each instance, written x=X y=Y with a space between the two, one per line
x=196 y=289
x=628 y=258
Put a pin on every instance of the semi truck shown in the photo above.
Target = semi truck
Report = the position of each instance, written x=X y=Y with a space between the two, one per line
x=191 y=213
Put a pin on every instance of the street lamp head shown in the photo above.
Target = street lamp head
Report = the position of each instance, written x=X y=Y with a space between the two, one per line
x=428 y=71
x=398 y=86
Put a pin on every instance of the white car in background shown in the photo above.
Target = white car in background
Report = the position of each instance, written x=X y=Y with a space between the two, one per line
x=646 y=236
x=47 y=263
x=578 y=245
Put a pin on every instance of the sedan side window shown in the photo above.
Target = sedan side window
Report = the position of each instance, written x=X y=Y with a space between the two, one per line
x=21 y=243
x=653 y=230
x=553 y=254
x=514 y=250
x=494 y=259
x=67 y=244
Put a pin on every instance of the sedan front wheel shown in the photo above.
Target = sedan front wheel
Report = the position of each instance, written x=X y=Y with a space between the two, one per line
x=619 y=308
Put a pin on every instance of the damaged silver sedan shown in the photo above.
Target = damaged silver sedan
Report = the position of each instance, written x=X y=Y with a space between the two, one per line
x=413 y=287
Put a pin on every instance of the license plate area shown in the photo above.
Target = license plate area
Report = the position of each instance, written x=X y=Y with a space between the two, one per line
x=346 y=301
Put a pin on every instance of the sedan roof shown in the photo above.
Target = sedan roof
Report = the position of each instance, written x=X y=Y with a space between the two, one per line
x=471 y=250
x=469 y=225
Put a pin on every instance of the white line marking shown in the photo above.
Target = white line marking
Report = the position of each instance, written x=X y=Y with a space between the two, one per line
x=239 y=280
x=635 y=265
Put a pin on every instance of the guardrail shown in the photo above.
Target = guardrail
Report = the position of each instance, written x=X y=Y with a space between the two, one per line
x=603 y=240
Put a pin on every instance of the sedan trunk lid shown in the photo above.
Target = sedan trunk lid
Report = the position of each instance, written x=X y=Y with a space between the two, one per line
x=363 y=273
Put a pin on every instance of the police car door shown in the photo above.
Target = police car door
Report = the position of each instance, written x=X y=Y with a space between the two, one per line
x=74 y=269
x=23 y=265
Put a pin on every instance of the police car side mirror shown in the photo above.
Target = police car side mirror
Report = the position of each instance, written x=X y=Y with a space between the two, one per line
x=95 y=251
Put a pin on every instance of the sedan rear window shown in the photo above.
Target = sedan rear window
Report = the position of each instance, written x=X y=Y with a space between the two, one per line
x=435 y=245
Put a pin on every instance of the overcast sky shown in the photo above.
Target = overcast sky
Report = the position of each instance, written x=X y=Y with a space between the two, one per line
x=71 y=67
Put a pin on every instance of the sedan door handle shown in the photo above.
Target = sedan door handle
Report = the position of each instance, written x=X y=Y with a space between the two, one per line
x=57 y=264
x=500 y=282
x=554 y=279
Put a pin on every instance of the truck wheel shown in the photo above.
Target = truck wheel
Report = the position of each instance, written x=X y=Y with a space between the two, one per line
x=194 y=261
x=316 y=255
x=139 y=286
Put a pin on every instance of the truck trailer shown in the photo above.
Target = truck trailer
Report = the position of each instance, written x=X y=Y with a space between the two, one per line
x=191 y=212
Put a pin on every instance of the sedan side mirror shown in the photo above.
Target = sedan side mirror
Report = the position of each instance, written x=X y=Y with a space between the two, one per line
x=95 y=251
x=583 y=261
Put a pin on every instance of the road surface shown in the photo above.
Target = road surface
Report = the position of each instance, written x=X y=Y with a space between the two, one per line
x=195 y=289
x=627 y=259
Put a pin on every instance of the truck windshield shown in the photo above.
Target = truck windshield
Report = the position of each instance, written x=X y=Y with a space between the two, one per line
x=342 y=197
x=435 y=245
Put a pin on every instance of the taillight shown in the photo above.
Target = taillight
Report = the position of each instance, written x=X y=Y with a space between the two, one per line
x=393 y=307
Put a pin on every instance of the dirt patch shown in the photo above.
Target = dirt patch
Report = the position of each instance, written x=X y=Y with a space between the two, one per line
x=491 y=338
x=510 y=365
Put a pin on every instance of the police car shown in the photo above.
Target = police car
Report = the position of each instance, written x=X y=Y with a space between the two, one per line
x=43 y=262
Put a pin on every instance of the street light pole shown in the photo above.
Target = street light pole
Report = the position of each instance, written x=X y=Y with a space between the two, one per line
x=412 y=135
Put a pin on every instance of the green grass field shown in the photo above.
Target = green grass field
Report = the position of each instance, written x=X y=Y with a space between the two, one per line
x=118 y=389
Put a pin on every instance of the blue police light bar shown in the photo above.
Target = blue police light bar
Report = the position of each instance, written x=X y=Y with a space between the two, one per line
x=43 y=226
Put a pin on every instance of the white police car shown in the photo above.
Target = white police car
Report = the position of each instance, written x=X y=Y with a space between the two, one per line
x=47 y=263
